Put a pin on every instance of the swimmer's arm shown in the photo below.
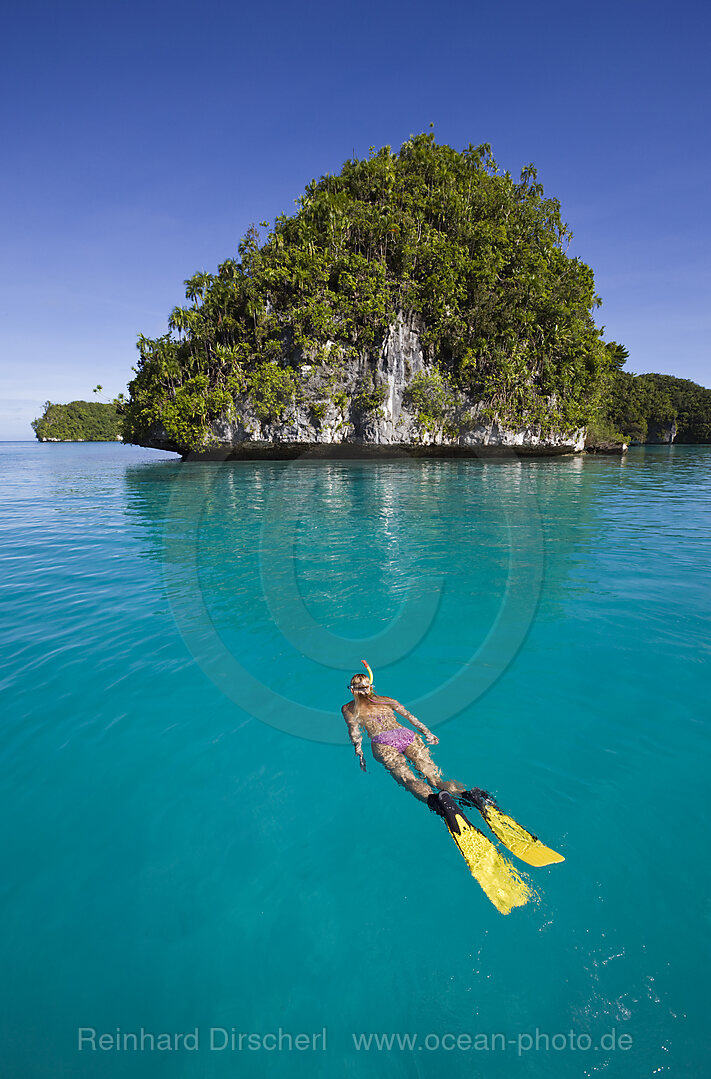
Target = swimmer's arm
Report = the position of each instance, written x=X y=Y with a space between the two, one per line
x=397 y=707
x=354 y=734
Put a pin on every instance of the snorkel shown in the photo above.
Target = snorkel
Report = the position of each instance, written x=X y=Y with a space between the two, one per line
x=361 y=685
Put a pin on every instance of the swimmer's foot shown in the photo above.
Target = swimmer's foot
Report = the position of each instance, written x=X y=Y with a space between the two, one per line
x=523 y=844
x=442 y=803
x=475 y=797
x=496 y=876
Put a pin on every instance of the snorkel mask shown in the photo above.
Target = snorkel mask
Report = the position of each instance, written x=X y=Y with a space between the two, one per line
x=359 y=688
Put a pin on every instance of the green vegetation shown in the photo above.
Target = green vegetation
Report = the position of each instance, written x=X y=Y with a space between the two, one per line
x=272 y=388
x=476 y=259
x=643 y=406
x=602 y=430
x=432 y=396
x=370 y=397
x=693 y=407
x=79 y=421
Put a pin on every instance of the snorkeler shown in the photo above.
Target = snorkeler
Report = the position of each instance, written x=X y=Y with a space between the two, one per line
x=399 y=748
x=407 y=758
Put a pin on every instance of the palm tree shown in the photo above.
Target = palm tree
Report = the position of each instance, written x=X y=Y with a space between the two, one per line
x=180 y=319
x=197 y=285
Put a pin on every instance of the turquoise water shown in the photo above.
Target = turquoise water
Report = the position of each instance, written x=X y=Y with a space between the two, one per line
x=189 y=841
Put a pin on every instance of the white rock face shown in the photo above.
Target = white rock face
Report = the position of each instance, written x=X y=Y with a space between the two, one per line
x=328 y=413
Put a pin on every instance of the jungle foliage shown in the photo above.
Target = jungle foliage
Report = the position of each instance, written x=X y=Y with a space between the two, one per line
x=641 y=405
x=79 y=421
x=475 y=258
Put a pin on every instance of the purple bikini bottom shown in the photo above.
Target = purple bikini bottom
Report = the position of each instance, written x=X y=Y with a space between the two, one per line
x=399 y=739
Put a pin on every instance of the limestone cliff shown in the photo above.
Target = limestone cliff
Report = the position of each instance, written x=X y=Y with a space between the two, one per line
x=661 y=434
x=376 y=404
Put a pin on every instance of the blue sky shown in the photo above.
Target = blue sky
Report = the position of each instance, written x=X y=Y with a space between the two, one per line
x=140 y=140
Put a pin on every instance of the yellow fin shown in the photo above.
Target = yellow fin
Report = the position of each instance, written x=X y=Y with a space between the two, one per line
x=520 y=842
x=501 y=883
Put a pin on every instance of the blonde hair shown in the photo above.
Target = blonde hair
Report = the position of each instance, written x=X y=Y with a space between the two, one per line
x=362 y=689
x=361 y=684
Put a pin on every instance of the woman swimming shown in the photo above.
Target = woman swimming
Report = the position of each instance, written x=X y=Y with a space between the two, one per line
x=400 y=749
x=407 y=758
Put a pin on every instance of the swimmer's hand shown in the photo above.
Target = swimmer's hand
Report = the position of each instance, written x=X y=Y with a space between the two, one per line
x=431 y=738
x=361 y=757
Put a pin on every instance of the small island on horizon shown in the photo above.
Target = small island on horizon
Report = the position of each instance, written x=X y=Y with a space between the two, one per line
x=79 y=421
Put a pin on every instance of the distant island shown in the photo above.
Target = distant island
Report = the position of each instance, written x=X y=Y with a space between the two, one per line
x=658 y=408
x=79 y=421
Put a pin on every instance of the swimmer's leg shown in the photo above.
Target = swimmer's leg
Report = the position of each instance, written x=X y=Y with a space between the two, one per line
x=420 y=756
x=400 y=770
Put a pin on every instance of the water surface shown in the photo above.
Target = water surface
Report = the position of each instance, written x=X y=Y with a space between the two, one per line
x=189 y=841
